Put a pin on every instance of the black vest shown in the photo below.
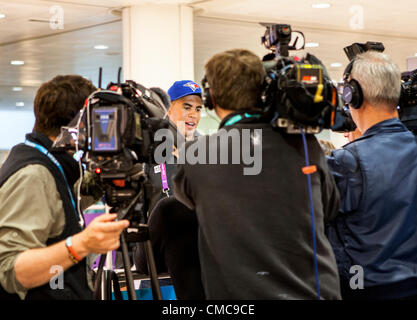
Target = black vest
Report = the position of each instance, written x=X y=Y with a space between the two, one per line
x=75 y=278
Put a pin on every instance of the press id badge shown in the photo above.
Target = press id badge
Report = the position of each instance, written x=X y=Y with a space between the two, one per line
x=164 y=179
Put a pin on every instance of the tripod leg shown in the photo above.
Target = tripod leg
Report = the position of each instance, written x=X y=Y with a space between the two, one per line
x=116 y=287
x=128 y=272
x=109 y=281
x=97 y=285
x=156 y=290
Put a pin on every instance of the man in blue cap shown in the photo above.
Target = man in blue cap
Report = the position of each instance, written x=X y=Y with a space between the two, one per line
x=172 y=226
x=184 y=110
x=186 y=106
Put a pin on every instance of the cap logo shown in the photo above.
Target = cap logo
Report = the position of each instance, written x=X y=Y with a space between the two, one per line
x=193 y=86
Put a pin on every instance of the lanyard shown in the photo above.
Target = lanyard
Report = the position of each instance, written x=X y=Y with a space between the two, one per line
x=164 y=178
x=239 y=117
x=55 y=162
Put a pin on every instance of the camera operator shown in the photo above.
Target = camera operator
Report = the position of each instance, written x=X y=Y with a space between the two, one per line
x=40 y=227
x=255 y=238
x=376 y=228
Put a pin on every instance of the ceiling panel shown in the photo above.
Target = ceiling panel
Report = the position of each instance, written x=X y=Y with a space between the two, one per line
x=66 y=53
x=17 y=24
x=212 y=35
x=383 y=17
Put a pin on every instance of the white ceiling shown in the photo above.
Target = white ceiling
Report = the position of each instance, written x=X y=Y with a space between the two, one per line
x=218 y=25
x=395 y=18
x=235 y=23
x=66 y=53
x=16 y=26
x=213 y=35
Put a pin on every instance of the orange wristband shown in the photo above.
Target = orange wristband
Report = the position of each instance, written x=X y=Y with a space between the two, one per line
x=73 y=256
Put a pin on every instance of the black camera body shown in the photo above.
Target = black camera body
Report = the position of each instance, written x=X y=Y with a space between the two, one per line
x=408 y=100
x=277 y=36
x=110 y=122
x=123 y=121
x=298 y=91
x=114 y=136
x=357 y=48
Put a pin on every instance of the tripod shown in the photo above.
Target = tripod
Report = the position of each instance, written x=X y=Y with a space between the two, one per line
x=137 y=232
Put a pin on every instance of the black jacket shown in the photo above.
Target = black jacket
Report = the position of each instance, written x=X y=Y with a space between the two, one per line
x=154 y=175
x=255 y=234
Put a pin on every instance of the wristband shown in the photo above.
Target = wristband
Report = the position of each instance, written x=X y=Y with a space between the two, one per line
x=73 y=256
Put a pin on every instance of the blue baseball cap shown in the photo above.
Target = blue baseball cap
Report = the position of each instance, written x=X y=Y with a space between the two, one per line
x=184 y=88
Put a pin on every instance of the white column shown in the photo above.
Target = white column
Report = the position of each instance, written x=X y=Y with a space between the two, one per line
x=158 y=46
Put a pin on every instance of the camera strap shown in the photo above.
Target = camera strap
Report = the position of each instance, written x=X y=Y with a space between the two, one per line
x=56 y=163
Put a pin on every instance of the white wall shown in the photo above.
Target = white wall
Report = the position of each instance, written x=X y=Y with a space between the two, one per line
x=13 y=127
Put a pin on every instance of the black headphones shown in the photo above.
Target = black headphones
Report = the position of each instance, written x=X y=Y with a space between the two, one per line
x=352 y=91
x=208 y=99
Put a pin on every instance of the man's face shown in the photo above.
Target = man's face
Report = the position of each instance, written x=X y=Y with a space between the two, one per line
x=186 y=113
x=352 y=135
x=355 y=114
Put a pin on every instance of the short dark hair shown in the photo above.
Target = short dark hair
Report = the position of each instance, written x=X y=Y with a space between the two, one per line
x=58 y=101
x=235 y=78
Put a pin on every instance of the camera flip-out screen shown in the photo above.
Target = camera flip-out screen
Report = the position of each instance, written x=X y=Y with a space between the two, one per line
x=105 y=134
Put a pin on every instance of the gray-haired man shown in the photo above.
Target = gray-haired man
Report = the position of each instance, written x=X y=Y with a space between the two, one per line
x=375 y=234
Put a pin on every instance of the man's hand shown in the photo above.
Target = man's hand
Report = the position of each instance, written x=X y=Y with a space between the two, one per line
x=32 y=267
x=101 y=235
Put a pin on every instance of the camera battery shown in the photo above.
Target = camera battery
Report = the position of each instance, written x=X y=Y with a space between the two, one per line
x=105 y=130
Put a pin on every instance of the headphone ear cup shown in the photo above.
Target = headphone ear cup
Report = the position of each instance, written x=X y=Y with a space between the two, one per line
x=208 y=100
x=357 y=94
x=352 y=94
x=352 y=91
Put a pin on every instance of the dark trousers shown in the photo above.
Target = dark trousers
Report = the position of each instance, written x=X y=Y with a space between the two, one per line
x=173 y=230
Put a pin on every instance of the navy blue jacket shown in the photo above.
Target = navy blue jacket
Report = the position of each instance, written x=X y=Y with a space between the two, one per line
x=376 y=227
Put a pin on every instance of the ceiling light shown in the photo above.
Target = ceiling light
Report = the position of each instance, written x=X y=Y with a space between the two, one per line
x=20 y=104
x=311 y=45
x=336 y=65
x=17 y=89
x=2 y=16
x=101 y=47
x=321 y=5
x=17 y=62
